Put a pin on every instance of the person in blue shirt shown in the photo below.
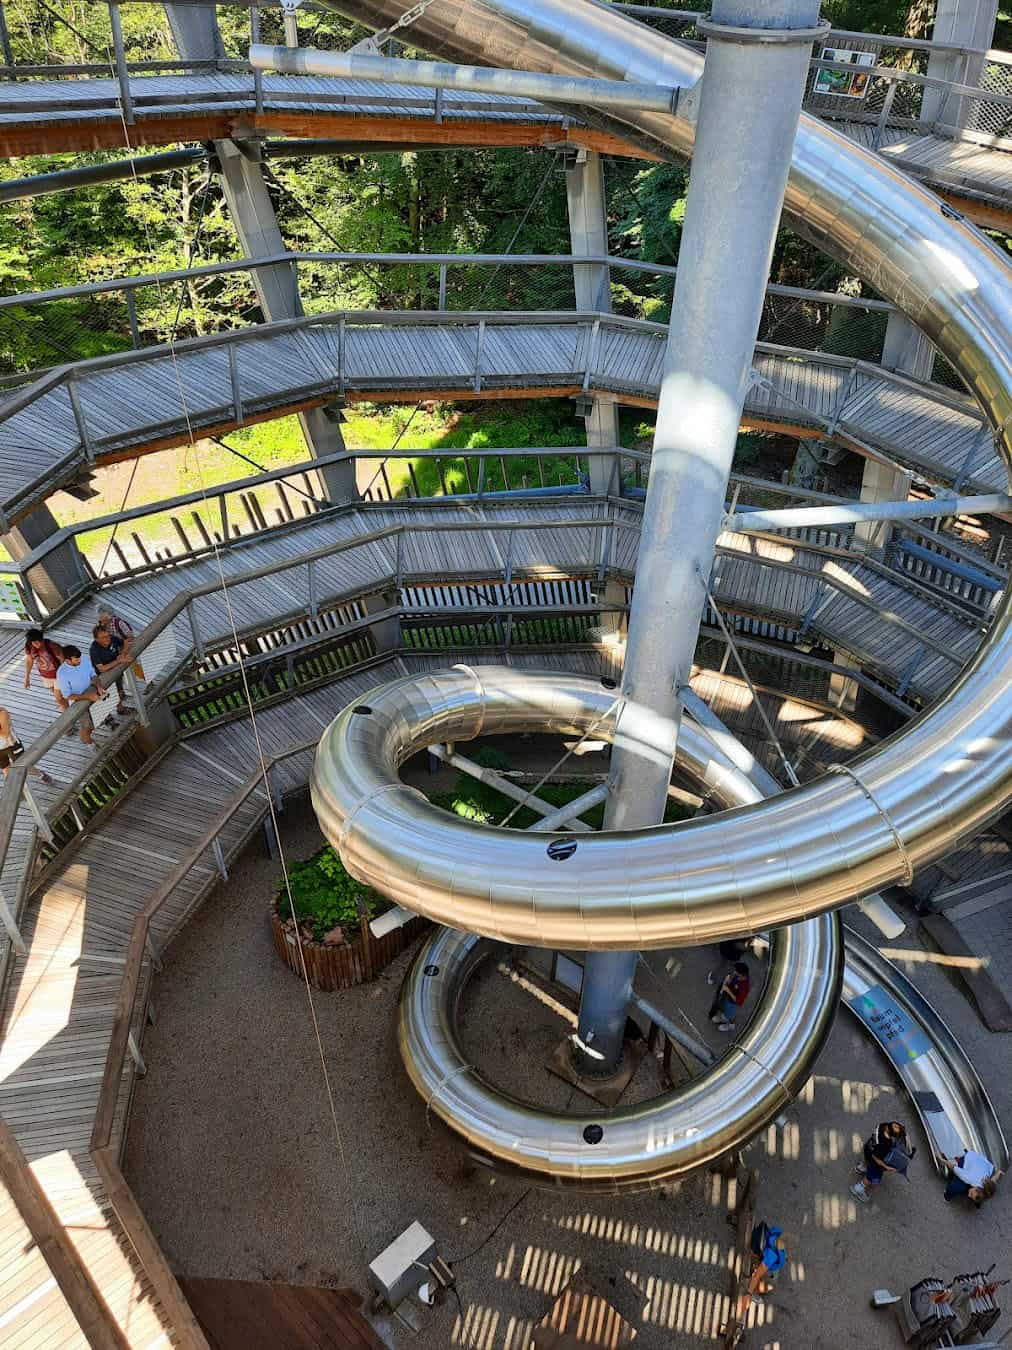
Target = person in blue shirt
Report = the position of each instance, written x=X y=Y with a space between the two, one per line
x=769 y=1250
x=76 y=681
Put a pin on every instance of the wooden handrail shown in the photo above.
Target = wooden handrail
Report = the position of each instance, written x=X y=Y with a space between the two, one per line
x=83 y=1296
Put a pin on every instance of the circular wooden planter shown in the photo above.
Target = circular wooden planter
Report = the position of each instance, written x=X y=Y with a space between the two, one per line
x=342 y=967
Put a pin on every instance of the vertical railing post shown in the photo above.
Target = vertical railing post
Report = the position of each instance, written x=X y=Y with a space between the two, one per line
x=136 y=1056
x=198 y=643
x=41 y=823
x=10 y=926
x=223 y=515
x=73 y=393
x=258 y=75
x=137 y=694
x=131 y=309
x=219 y=858
x=883 y=117
x=311 y=587
x=122 y=74
x=442 y=287
x=5 y=44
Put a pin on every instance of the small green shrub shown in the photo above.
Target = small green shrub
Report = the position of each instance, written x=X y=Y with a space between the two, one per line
x=325 y=895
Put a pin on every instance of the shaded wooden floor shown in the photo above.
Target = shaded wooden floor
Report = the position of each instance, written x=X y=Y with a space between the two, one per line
x=248 y=1315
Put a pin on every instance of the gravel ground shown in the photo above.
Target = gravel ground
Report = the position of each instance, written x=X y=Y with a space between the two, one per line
x=233 y=1154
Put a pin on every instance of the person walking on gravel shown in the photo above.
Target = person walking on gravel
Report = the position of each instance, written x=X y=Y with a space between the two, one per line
x=886 y=1151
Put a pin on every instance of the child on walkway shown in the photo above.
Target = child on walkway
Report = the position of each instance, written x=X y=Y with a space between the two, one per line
x=886 y=1151
x=733 y=992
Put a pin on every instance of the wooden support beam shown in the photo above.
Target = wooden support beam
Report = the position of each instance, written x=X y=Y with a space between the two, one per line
x=84 y=1299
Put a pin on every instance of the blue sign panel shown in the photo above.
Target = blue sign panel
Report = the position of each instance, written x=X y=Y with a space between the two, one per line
x=901 y=1039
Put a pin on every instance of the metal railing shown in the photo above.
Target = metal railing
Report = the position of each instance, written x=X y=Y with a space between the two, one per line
x=129 y=312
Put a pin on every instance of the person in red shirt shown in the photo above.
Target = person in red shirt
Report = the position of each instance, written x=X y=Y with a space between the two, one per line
x=44 y=657
x=733 y=992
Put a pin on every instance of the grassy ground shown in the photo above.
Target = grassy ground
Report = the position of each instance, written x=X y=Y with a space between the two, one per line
x=271 y=445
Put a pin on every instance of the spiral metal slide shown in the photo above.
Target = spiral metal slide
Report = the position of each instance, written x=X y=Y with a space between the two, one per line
x=764 y=864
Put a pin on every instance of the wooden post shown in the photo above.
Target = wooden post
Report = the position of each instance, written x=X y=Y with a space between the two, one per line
x=61 y=1256
x=363 y=924
x=741 y=1263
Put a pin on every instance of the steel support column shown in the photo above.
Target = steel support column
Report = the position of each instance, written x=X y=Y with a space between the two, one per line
x=195 y=30
x=907 y=351
x=756 y=66
x=61 y=573
x=588 y=232
x=961 y=23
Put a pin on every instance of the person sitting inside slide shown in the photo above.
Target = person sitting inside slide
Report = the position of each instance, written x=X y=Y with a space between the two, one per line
x=972 y=1175
x=730 y=996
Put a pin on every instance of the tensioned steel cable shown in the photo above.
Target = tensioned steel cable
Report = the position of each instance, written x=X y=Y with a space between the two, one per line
x=788 y=766
x=247 y=694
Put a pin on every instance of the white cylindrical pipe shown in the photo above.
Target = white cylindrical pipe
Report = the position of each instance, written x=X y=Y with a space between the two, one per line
x=468 y=79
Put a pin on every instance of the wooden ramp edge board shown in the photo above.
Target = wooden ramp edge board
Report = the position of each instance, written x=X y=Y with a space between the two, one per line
x=260 y=1315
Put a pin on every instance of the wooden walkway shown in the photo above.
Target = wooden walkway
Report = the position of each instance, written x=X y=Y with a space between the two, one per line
x=134 y=402
x=59 y=1002
x=42 y=116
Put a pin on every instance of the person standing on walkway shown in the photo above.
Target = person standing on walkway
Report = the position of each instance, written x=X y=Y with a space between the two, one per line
x=886 y=1151
x=123 y=630
x=77 y=683
x=11 y=749
x=107 y=654
x=972 y=1175
x=733 y=991
x=44 y=657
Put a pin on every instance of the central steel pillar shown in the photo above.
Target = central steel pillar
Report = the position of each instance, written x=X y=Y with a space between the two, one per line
x=196 y=34
x=588 y=234
x=756 y=64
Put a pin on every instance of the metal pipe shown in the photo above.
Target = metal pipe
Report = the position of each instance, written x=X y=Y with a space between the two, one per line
x=39 y=184
x=567 y=815
x=886 y=920
x=122 y=74
x=804 y=517
x=495 y=780
x=696 y=1049
x=352 y=65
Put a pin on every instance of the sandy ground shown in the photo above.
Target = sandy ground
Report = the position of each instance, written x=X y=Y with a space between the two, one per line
x=235 y=1159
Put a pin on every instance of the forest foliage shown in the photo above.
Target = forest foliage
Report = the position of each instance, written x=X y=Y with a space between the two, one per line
x=455 y=201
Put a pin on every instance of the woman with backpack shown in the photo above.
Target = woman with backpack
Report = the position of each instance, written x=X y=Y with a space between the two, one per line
x=886 y=1151
x=44 y=657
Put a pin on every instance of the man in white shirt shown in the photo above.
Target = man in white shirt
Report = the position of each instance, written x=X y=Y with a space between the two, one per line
x=76 y=681
x=972 y=1175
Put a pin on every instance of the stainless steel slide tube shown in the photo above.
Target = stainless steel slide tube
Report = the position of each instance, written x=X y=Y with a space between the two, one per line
x=915 y=795
x=637 y=1146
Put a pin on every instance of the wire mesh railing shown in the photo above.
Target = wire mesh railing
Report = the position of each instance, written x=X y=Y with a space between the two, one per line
x=119 y=315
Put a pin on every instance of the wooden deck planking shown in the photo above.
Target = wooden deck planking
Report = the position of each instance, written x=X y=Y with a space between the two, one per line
x=128 y=407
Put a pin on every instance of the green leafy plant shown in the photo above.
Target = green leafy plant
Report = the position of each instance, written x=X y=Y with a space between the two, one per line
x=325 y=895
